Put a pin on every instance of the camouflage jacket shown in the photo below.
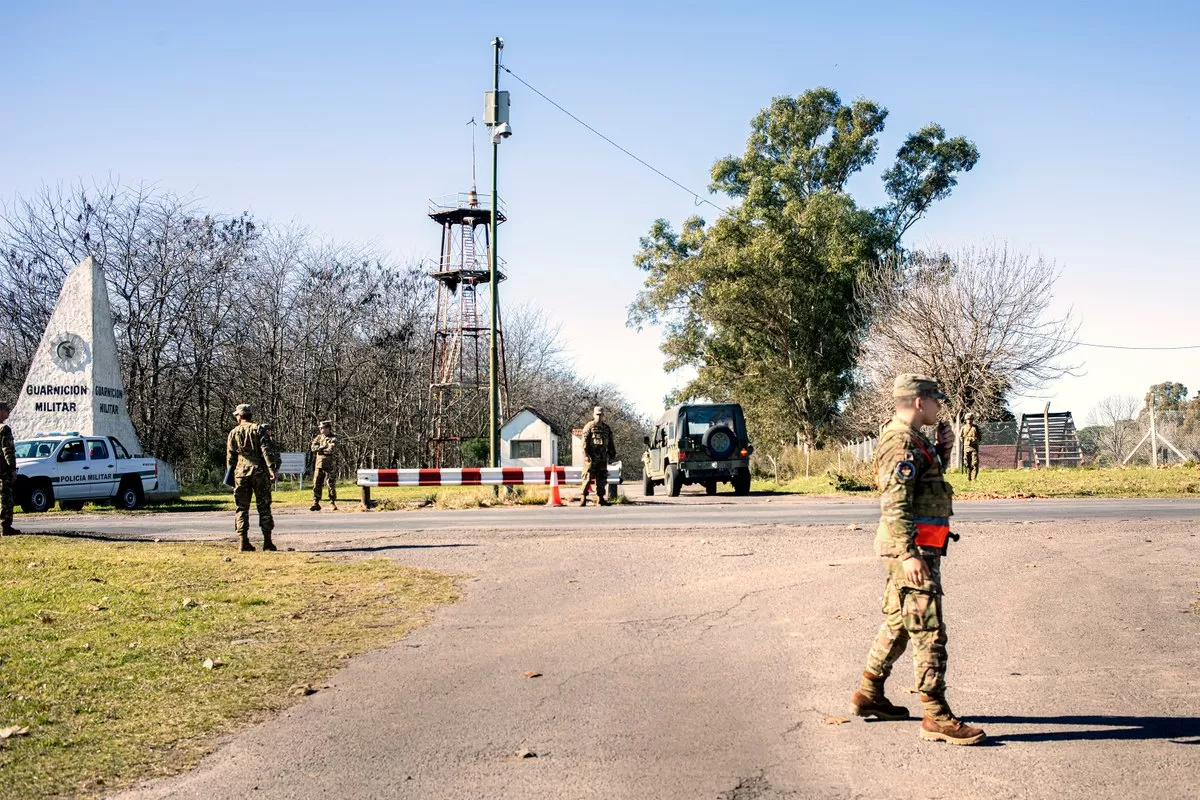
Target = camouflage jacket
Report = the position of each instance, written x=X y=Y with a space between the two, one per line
x=597 y=440
x=247 y=449
x=325 y=451
x=912 y=489
x=971 y=437
x=8 y=451
x=273 y=456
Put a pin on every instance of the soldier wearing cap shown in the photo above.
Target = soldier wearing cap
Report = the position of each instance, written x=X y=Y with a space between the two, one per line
x=971 y=439
x=248 y=456
x=8 y=473
x=598 y=450
x=325 y=457
x=915 y=509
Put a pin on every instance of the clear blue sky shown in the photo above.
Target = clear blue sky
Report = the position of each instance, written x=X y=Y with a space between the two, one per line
x=348 y=117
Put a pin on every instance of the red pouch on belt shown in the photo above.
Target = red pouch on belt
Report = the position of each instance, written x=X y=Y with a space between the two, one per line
x=932 y=531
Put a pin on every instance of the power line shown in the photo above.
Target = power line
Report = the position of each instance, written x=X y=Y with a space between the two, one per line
x=643 y=162
x=1131 y=347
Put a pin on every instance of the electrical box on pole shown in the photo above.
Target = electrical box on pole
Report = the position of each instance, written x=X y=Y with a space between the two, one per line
x=495 y=108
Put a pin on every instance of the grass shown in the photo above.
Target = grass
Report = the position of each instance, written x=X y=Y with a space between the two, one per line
x=1138 y=481
x=103 y=647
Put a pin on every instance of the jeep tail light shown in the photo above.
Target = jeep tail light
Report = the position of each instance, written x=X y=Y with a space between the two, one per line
x=683 y=455
x=744 y=452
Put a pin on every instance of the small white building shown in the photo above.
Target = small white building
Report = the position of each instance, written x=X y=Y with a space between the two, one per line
x=528 y=440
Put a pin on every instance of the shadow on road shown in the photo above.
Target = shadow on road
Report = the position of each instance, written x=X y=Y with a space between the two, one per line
x=1102 y=728
x=385 y=547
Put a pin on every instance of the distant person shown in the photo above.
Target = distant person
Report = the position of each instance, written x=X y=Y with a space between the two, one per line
x=8 y=473
x=916 y=505
x=325 y=459
x=971 y=439
x=248 y=463
x=598 y=450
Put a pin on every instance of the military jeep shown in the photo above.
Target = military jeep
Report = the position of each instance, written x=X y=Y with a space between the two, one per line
x=699 y=443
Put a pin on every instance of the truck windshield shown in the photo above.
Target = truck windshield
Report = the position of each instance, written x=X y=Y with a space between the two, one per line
x=699 y=420
x=36 y=448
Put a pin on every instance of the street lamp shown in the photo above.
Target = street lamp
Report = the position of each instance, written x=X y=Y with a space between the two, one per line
x=495 y=116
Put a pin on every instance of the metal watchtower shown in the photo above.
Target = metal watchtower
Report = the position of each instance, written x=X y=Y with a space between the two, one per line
x=458 y=378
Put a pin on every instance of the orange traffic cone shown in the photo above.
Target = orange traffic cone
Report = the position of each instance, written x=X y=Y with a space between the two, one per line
x=555 y=498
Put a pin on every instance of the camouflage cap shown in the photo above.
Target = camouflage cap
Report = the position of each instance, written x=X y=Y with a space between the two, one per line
x=244 y=410
x=325 y=423
x=969 y=415
x=597 y=410
x=909 y=385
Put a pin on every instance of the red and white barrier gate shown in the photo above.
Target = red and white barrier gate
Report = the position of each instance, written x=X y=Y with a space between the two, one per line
x=477 y=476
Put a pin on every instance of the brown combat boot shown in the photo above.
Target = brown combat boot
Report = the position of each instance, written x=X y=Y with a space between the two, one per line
x=268 y=545
x=950 y=729
x=9 y=530
x=315 y=506
x=869 y=700
x=333 y=505
x=600 y=498
x=245 y=546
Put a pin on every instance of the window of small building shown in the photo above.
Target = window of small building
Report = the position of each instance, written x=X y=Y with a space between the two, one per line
x=525 y=448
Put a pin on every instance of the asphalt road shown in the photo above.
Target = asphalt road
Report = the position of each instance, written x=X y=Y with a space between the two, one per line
x=707 y=663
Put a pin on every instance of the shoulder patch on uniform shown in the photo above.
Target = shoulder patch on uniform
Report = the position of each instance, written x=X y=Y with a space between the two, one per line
x=905 y=470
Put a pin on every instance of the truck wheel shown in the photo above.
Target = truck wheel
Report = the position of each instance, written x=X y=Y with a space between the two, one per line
x=673 y=481
x=741 y=481
x=70 y=505
x=710 y=487
x=647 y=484
x=40 y=498
x=129 y=496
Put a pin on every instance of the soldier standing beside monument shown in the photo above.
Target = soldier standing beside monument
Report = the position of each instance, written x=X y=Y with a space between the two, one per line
x=598 y=450
x=916 y=503
x=971 y=439
x=325 y=457
x=248 y=456
x=8 y=473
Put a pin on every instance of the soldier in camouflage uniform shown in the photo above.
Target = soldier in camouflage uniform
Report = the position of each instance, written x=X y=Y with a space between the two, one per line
x=915 y=507
x=248 y=454
x=598 y=450
x=971 y=440
x=325 y=458
x=8 y=473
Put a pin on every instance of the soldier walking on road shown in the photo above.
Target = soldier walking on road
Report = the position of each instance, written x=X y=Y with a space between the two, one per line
x=598 y=450
x=325 y=458
x=915 y=507
x=971 y=439
x=248 y=456
x=8 y=473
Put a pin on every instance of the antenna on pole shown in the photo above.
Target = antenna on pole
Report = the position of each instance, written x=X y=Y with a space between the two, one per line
x=474 y=126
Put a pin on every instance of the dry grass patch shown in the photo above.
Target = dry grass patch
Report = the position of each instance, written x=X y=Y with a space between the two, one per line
x=126 y=659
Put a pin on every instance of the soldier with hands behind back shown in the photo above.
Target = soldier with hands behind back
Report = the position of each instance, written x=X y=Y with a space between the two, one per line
x=325 y=458
x=248 y=458
x=598 y=450
x=8 y=473
x=916 y=503
x=971 y=439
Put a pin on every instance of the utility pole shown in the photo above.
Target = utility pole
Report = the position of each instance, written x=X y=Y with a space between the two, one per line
x=493 y=274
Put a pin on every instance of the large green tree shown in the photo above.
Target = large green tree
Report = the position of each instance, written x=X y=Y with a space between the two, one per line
x=762 y=303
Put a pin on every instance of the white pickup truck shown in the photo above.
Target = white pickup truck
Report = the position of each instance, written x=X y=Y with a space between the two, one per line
x=75 y=469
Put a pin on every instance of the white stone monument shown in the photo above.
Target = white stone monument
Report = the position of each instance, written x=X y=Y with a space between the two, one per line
x=74 y=381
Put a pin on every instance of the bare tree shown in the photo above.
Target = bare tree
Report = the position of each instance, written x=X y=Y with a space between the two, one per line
x=977 y=320
x=1117 y=430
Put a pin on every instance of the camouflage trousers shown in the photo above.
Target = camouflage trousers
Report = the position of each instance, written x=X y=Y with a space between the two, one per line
x=6 y=502
x=322 y=476
x=595 y=472
x=971 y=459
x=257 y=484
x=912 y=613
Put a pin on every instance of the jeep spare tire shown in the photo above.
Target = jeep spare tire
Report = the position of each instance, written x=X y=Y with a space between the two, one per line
x=720 y=442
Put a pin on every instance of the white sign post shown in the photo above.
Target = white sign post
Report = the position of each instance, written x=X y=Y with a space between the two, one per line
x=292 y=464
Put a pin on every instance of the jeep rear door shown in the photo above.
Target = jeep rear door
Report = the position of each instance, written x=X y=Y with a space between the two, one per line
x=103 y=468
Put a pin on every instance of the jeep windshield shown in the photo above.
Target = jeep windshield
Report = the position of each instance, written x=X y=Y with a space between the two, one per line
x=36 y=448
x=700 y=420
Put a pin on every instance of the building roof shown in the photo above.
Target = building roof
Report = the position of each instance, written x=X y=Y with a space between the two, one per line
x=536 y=413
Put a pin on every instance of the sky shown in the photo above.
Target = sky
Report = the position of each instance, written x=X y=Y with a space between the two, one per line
x=347 y=118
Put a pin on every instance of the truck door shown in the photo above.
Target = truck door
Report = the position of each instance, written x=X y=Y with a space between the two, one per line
x=103 y=469
x=73 y=471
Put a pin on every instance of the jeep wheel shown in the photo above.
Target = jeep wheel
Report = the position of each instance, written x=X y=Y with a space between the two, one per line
x=741 y=481
x=720 y=442
x=129 y=496
x=710 y=487
x=647 y=484
x=673 y=481
x=70 y=505
x=40 y=498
